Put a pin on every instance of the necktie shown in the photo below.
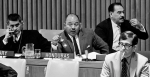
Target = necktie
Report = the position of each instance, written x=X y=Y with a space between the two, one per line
x=15 y=38
x=124 y=68
x=75 y=46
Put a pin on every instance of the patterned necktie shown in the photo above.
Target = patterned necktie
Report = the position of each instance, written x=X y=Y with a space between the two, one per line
x=124 y=68
x=75 y=46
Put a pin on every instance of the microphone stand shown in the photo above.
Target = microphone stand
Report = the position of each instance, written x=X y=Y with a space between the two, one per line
x=51 y=49
x=86 y=55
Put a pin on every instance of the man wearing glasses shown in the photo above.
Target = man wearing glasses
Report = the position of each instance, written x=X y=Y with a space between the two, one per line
x=75 y=39
x=15 y=38
x=126 y=62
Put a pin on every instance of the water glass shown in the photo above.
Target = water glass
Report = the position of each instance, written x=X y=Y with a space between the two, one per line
x=37 y=53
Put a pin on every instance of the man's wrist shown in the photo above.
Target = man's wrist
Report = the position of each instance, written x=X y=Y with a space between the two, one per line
x=5 y=41
x=142 y=28
x=55 y=44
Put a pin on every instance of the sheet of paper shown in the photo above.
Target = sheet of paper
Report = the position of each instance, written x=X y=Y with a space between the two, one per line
x=91 y=55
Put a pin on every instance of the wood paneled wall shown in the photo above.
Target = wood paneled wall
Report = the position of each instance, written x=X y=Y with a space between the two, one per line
x=51 y=14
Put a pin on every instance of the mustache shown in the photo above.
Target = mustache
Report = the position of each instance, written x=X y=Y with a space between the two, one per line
x=122 y=17
x=73 y=29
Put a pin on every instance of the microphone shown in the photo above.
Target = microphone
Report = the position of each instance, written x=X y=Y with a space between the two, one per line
x=86 y=55
x=86 y=52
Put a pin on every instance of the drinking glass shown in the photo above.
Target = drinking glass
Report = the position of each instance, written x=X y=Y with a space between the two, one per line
x=37 y=53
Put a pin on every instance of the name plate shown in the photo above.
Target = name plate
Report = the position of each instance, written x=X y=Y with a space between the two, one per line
x=100 y=57
x=57 y=55
x=6 y=53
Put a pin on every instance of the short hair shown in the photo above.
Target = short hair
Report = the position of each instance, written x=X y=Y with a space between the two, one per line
x=111 y=6
x=75 y=15
x=128 y=34
x=14 y=17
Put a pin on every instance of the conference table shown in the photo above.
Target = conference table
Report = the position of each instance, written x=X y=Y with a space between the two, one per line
x=36 y=68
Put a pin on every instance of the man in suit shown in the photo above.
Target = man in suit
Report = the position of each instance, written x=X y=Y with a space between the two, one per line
x=109 y=30
x=6 y=71
x=15 y=38
x=75 y=39
x=126 y=62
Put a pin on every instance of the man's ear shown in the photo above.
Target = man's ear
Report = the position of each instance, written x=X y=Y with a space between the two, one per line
x=80 y=26
x=110 y=13
x=134 y=48
x=22 y=21
x=64 y=25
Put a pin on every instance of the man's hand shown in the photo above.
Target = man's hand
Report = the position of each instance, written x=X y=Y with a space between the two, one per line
x=135 y=23
x=55 y=40
x=9 y=33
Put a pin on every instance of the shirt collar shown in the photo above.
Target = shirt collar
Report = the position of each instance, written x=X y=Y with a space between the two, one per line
x=129 y=57
x=18 y=36
x=114 y=24
x=72 y=36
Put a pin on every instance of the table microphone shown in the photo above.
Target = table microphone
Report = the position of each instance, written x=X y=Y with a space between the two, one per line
x=86 y=55
x=86 y=52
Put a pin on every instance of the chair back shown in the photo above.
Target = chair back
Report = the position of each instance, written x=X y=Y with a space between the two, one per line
x=49 y=34
x=19 y=65
x=2 y=32
x=62 y=68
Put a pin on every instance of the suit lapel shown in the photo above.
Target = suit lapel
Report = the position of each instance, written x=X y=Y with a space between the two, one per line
x=24 y=36
x=67 y=41
x=141 y=60
x=116 y=64
x=110 y=31
x=81 y=41
x=133 y=65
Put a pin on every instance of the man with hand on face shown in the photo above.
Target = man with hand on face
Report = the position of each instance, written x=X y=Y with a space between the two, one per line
x=75 y=39
x=126 y=62
x=110 y=29
x=15 y=38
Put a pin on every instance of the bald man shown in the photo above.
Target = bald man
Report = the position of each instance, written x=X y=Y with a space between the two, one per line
x=75 y=39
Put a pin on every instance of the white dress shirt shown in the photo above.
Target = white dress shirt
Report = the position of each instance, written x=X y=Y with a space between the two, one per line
x=78 y=43
x=116 y=35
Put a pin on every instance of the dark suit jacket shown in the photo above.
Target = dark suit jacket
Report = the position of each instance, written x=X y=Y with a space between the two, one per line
x=6 y=71
x=104 y=30
x=86 y=37
x=27 y=36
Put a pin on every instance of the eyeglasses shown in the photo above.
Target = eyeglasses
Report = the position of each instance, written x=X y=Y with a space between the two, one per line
x=70 y=24
x=16 y=25
x=126 y=45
